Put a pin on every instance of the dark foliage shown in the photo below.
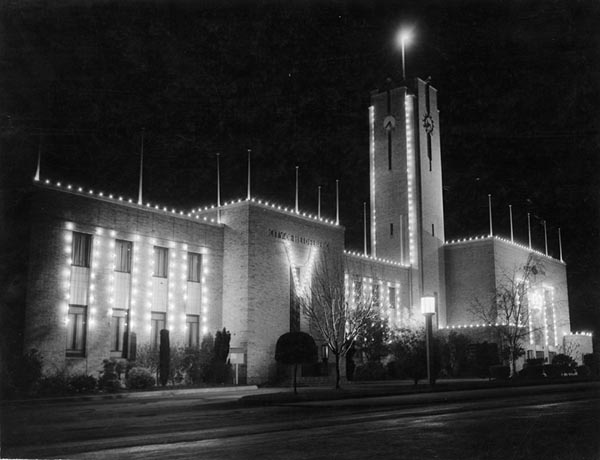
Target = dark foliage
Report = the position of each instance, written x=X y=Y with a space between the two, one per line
x=371 y=370
x=564 y=363
x=82 y=383
x=499 y=372
x=139 y=378
x=164 y=357
x=294 y=348
x=109 y=379
x=592 y=360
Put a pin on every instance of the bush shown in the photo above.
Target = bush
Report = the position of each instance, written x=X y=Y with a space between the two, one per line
x=565 y=363
x=53 y=385
x=139 y=378
x=592 y=360
x=499 y=372
x=82 y=383
x=371 y=370
x=109 y=380
x=553 y=371
x=584 y=371
x=532 y=372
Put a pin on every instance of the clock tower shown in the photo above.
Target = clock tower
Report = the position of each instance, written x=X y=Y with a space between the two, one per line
x=407 y=215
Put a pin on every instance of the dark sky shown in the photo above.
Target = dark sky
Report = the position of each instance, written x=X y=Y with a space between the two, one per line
x=518 y=89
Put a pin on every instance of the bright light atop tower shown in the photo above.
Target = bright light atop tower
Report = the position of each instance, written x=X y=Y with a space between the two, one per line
x=404 y=37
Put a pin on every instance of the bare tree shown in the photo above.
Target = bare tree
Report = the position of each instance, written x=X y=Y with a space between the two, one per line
x=507 y=309
x=340 y=316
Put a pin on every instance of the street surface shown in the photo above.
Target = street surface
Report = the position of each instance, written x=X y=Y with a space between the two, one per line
x=504 y=425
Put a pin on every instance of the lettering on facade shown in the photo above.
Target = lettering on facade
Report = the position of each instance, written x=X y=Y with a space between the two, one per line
x=297 y=238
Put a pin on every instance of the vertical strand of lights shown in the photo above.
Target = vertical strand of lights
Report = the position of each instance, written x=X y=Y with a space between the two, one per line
x=544 y=318
x=410 y=178
x=204 y=291
x=171 y=285
x=95 y=263
x=68 y=238
x=135 y=280
x=372 y=156
x=397 y=301
x=183 y=279
x=112 y=279
x=529 y=298
x=150 y=285
x=554 y=316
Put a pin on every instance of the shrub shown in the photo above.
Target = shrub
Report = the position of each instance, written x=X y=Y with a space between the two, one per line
x=592 y=360
x=139 y=378
x=553 y=371
x=197 y=361
x=371 y=370
x=30 y=371
x=565 y=363
x=82 y=383
x=532 y=372
x=164 y=357
x=584 y=371
x=499 y=372
x=109 y=380
x=53 y=385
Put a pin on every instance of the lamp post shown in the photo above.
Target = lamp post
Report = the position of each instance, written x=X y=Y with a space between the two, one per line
x=403 y=38
x=428 y=310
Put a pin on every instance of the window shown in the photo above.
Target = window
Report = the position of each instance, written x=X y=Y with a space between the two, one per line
x=123 y=256
x=157 y=323
x=392 y=297
x=358 y=289
x=161 y=262
x=194 y=267
x=375 y=296
x=81 y=250
x=76 y=324
x=117 y=329
x=391 y=230
x=193 y=327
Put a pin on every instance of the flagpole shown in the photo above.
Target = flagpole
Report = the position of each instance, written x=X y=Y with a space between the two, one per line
x=319 y=201
x=218 y=189
x=512 y=240
x=529 y=228
x=141 y=168
x=248 y=195
x=337 y=202
x=39 y=160
x=560 y=245
x=545 y=238
x=490 y=209
x=296 y=190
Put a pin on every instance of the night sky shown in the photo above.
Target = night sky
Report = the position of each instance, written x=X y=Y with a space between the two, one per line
x=518 y=89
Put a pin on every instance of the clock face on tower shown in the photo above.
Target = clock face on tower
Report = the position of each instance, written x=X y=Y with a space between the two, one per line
x=428 y=123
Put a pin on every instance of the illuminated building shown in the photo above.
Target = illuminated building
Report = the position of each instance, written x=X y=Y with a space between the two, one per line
x=105 y=269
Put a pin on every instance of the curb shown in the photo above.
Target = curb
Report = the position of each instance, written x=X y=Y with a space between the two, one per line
x=135 y=395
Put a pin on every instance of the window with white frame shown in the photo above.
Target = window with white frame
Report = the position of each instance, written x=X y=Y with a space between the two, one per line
x=123 y=251
x=157 y=323
x=193 y=330
x=161 y=262
x=194 y=267
x=76 y=330
x=117 y=329
x=392 y=297
x=81 y=249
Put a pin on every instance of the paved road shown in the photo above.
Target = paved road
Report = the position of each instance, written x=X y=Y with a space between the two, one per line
x=531 y=425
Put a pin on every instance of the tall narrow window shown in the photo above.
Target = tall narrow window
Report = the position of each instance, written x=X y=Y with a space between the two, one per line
x=194 y=267
x=161 y=262
x=82 y=246
x=193 y=328
x=391 y=230
x=123 y=256
x=157 y=323
x=375 y=296
x=76 y=325
x=432 y=230
x=392 y=297
x=117 y=329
